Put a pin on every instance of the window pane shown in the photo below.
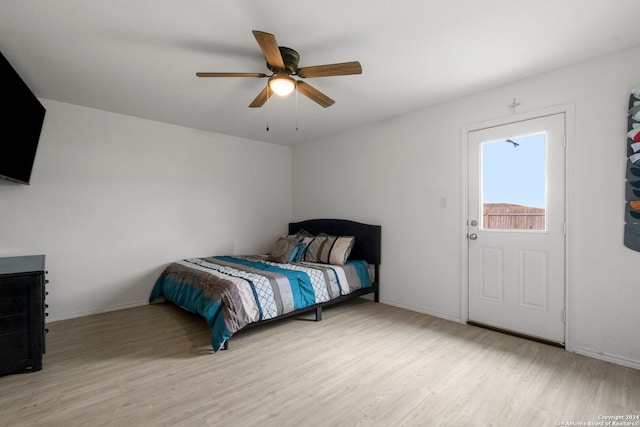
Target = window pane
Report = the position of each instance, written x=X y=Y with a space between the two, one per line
x=514 y=183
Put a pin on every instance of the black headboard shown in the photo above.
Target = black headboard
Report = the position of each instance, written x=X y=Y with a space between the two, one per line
x=367 y=237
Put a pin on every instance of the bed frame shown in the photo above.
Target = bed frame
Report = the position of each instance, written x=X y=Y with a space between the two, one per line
x=366 y=247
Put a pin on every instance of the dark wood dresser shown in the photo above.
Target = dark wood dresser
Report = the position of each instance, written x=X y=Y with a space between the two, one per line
x=22 y=313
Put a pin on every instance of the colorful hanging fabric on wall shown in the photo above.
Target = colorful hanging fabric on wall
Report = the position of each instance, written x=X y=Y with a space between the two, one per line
x=632 y=208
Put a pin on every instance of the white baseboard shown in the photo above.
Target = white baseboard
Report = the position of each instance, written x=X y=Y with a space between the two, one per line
x=619 y=360
x=96 y=311
x=421 y=310
x=585 y=351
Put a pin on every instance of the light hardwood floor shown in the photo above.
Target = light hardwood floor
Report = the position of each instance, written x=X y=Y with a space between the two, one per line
x=364 y=364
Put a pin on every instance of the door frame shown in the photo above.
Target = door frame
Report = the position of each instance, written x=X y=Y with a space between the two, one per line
x=568 y=110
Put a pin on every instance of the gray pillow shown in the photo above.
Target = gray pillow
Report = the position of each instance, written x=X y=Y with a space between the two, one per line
x=284 y=250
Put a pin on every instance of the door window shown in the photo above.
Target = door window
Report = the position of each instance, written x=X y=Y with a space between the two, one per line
x=514 y=184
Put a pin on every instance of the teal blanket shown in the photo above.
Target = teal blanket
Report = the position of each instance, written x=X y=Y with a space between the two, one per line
x=232 y=292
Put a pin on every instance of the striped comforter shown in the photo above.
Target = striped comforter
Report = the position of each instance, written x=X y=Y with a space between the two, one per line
x=232 y=292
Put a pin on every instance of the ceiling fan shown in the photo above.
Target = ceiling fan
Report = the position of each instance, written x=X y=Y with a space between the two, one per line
x=283 y=63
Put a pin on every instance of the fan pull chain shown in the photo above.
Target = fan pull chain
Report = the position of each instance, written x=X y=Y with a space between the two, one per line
x=296 y=110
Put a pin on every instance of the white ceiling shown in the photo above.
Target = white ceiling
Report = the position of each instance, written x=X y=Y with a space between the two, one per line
x=139 y=57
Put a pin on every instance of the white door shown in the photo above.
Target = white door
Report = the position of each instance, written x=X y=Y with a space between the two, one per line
x=516 y=227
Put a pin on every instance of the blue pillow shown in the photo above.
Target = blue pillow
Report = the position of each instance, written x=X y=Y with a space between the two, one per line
x=298 y=252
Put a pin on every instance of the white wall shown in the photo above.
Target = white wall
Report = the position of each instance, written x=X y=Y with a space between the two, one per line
x=113 y=199
x=396 y=174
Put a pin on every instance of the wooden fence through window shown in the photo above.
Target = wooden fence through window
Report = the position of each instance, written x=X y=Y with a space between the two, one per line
x=504 y=216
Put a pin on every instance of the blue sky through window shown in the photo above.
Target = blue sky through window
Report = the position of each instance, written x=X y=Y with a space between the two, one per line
x=515 y=175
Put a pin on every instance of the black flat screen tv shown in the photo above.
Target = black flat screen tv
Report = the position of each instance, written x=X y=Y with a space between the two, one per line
x=21 y=123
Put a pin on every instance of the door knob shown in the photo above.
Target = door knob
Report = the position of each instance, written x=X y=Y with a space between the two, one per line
x=473 y=236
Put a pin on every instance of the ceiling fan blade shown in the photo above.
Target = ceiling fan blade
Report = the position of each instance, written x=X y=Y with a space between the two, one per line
x=231 y=75
x=341 y=69
x=270 y=49
x=314 y=94
x=261 y=98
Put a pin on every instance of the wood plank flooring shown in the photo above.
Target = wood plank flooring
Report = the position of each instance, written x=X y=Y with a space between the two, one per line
x=364 y=364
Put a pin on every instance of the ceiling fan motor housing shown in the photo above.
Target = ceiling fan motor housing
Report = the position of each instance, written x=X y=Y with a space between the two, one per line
x=290 y=57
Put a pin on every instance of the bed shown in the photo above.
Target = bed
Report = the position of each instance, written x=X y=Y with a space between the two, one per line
x=318 y=263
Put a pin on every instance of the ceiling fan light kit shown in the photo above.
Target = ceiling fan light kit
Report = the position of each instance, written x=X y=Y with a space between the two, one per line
x=281 y=84
x=283 y=63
